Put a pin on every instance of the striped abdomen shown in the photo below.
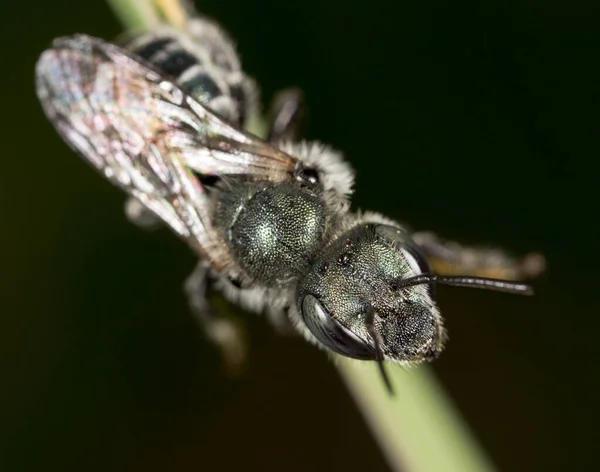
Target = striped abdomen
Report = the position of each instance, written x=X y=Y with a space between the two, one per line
x=204 y=63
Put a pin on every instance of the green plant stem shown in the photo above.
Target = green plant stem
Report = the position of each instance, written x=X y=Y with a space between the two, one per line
x=418 y=429
x=136 y=15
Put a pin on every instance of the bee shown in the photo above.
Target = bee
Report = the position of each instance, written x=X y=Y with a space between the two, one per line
x=164 y=117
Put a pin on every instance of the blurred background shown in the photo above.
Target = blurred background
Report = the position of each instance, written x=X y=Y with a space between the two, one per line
x=478 y=120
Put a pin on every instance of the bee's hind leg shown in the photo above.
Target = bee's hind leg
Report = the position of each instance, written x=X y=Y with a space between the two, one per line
x=451 y=258
x=286 y=115
x=222 y=330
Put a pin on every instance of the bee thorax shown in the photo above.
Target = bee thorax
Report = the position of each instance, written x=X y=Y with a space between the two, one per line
x=272 y=230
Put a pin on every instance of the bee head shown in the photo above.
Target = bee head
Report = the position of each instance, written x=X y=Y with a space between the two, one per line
x=350 y=300
x=369 y=295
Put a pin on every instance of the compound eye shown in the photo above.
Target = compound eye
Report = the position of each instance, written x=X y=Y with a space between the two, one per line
x=419 y=264
x=332 y=334
x=415 y=258
x=417 y=261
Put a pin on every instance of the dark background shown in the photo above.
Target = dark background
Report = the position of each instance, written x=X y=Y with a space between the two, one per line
x=477 y=120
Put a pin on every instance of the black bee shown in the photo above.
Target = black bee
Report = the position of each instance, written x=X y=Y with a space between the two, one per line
x=163 y=116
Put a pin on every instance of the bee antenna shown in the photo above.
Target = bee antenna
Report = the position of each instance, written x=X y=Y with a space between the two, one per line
x=378 y=352
x=497 y=285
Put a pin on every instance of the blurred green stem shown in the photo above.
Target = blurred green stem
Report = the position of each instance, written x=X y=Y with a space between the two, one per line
x=136 y=15
x=418 y=429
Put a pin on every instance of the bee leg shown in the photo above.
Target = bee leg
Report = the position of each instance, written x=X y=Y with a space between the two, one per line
x=451 y=258
x=138 y=214
x=221 y=330
x=286 y=114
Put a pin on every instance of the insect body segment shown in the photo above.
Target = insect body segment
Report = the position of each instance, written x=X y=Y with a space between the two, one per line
x=204 y=63
x=163 y=118
x=273 y=230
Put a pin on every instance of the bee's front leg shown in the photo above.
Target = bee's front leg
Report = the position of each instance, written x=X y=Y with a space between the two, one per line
x=286 y=114
x=451 y=258
x=224 y=331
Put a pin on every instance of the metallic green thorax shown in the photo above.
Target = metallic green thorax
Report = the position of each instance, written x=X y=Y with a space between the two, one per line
x=272 y=230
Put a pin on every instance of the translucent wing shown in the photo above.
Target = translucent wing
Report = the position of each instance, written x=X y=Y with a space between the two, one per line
x=147 y=136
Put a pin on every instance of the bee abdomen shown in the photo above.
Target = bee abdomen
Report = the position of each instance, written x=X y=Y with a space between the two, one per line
x=203 y=63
